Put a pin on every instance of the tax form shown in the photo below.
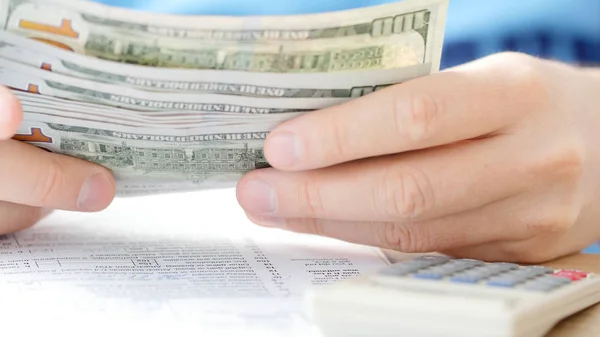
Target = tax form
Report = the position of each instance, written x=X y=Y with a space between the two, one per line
x=189 y=264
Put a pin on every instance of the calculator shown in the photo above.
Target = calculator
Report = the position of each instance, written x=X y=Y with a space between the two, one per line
x=439 y=296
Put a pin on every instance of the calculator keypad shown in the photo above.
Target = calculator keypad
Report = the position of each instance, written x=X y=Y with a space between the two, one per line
x=412 y=266
x=482 y=272
x=447 y=269
x=518 y=276
x=499 y=274
x=547 y=283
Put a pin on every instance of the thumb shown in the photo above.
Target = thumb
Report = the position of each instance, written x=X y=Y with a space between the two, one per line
x=11 y=113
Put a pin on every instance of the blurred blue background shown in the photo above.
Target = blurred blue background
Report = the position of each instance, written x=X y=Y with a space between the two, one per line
x=566 y=30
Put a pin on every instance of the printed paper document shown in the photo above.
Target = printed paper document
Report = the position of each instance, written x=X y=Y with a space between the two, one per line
x=185 y=263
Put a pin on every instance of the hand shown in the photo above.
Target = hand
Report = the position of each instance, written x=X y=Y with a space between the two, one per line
x=33 y=181
x=497 y=159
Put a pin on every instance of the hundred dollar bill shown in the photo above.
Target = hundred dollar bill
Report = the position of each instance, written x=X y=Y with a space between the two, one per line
x=51 y=114
x=150 y=161
x=114 y=114
x=160 y=123
x=348 y=40
x=294 y=85
x=154 y=122
x=22 y=77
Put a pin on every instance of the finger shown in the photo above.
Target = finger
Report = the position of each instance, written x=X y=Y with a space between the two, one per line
x=11 y=113
x=412 y=186
x=439 y=109
x=535 y=247
x=17 y=217
x=518 y=251
x=31 y=176
x=498 y=221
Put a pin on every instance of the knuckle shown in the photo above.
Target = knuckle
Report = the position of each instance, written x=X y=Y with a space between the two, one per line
x=561 y=221
x=49 y=180
x=416 y=117
x=403 y=194
x=396 y=236
x=404 y=238
x=524 y=252
x=341 y=142
x=510 y=58
x=527 y=79
x=566 y=163
x=310 y=199
x=563 y=165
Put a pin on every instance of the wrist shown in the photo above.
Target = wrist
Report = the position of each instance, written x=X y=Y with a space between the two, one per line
x=588 y=95
x=586 y=101
x=594 y=72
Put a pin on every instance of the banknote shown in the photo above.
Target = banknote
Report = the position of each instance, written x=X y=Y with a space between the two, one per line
x=156 y=123
x=149 y=161
x=30 y=101
x=402 y=33
x=294 y=85
x=50 y=113
x=176 y=103
x=22 y=77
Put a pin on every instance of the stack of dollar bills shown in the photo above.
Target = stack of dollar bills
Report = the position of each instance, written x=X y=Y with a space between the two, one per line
x=177 y=103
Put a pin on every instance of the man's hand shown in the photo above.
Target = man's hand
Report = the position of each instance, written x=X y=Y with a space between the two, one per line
x=33 y=181
x=497 y=159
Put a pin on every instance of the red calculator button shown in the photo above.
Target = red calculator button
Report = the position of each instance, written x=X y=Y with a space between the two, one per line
x=574 y=275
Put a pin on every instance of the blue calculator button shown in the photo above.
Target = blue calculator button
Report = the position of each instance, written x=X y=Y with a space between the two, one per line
x=465 y=279
x=503 y=282
x=429 y=276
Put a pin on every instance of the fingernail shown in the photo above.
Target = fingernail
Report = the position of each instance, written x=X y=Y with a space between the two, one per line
x=95 y=194
x=8 y=114
x=258 y=197
x=282 y=149
x=267 y=221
